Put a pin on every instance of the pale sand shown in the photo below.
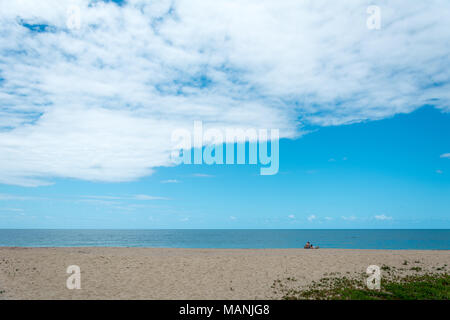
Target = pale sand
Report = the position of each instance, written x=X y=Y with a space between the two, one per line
x=154 y=273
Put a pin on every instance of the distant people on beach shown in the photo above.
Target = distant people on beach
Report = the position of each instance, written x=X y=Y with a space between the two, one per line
x=309 y=245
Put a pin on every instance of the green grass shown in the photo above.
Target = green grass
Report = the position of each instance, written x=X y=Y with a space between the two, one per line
x=417 y=287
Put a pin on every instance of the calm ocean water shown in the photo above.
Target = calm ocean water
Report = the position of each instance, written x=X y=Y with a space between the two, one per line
x=349 y=239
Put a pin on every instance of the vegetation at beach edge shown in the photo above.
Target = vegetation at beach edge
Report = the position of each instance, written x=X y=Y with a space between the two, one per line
x=413 y=287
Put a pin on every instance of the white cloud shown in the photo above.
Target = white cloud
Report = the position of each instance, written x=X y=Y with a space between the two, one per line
x=349 y=218
x=291 y=216
x=170 y=181
x=311 y=218
x=103 y=197
x=383 y=217
x=125 y=197
x=12 y=210
x=232 y=218
x=12 y=197
x=100 y=103
x=445 y=155
x=147 y=197
x=439 y=171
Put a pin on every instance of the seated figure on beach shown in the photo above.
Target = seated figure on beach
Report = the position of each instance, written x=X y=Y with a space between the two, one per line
x=309 y=245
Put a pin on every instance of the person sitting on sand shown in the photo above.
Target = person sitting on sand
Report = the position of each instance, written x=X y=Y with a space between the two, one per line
x=307 y=245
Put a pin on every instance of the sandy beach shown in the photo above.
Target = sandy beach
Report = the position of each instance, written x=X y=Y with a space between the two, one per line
x=157 y=273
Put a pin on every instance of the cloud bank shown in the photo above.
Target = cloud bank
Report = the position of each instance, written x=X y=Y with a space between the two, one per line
x=383 y=217
x=99 y=103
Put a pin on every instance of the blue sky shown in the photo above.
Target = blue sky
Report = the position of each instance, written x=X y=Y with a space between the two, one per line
x=91 y=93
x=381 y=174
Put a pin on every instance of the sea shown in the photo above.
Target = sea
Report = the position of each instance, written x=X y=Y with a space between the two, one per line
x=437 y=239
